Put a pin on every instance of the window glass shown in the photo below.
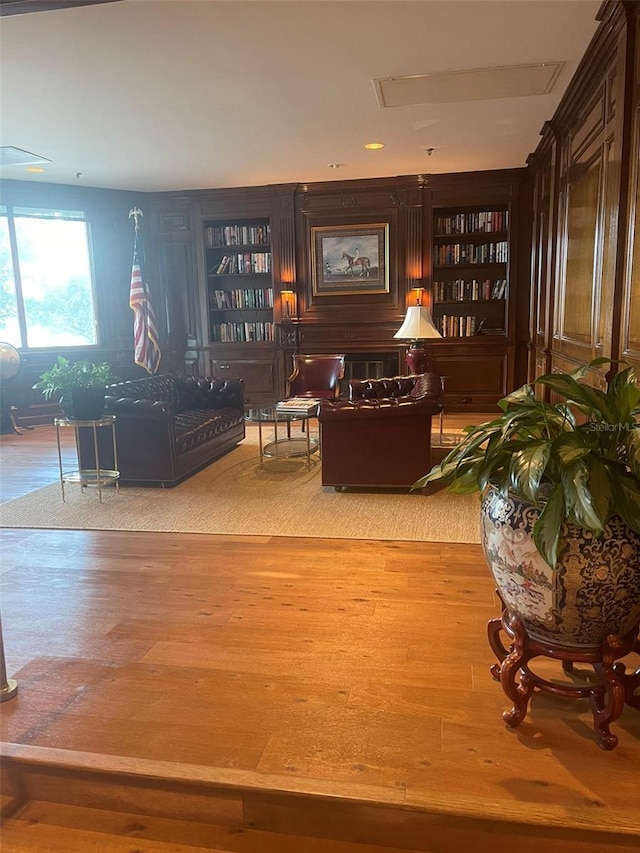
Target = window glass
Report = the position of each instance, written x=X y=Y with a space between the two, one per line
x=55 y=278
x=9 y=328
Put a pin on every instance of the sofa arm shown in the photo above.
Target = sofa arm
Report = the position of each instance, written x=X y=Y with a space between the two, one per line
x=145 y=440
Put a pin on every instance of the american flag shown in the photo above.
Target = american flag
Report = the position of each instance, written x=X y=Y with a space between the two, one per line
x=145 y=331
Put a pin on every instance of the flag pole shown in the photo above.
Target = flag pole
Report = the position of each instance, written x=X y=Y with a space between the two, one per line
x=146 y=340
x=136 y=213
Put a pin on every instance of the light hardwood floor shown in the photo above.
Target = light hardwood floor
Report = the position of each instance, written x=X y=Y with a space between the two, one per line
x=245 y=694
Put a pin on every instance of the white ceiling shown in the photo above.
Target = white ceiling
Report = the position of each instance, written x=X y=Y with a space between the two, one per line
x=183 y=94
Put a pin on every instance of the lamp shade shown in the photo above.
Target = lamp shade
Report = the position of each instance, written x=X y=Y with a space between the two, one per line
x=417 y=325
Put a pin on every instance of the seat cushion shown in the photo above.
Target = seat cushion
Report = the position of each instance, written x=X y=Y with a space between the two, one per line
x=198 y=426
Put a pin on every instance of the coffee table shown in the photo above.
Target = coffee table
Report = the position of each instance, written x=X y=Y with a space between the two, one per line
x=281 y=447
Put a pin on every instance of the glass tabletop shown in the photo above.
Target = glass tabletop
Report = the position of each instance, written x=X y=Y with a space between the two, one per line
x=105 y=420
x=268 y=414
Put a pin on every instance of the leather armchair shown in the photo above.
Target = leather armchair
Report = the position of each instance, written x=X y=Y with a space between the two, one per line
x=381 y=436
x=315 y=376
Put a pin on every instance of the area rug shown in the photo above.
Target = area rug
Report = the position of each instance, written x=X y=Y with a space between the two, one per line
x=236 y=496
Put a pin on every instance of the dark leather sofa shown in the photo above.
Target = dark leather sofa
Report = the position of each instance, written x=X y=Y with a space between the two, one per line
x=168 y=427
x=381 y=436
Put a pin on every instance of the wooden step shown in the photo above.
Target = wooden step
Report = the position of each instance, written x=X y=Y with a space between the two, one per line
x=56 y=802
x=44 y=827
x=58 y=828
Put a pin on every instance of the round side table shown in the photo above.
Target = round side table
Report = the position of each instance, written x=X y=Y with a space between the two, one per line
x=97 y=476
x=282 y=448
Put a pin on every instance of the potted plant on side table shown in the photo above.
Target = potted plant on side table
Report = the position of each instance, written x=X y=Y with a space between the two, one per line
x=560 y=529
x=79 y=385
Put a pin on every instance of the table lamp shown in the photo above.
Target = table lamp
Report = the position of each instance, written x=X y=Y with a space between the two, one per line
x=418 y=328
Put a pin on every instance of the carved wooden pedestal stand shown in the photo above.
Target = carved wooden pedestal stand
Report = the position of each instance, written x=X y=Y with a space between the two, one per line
x=612 y=686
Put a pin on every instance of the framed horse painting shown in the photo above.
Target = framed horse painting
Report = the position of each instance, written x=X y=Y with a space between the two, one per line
x=350 y=259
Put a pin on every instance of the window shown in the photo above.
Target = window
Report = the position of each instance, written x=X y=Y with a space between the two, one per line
x=46 y=282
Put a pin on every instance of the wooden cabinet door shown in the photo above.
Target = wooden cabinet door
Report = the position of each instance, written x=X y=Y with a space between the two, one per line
x=257 y=373
x=630 y=313
x=478 y=389
x=588 y=237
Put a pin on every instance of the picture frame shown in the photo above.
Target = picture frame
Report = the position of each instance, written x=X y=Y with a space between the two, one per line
x=350 y=259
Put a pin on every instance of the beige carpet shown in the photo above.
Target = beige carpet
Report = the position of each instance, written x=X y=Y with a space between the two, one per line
x=235 y=496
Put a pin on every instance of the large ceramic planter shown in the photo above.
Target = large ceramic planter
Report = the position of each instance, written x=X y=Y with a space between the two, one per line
x=593 y=592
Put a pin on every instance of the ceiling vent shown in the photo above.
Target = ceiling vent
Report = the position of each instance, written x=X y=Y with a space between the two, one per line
x=20 y=7
x=479 y=84
x=10 y=156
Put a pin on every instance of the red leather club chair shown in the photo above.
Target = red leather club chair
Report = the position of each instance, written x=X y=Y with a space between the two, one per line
x=316 y=376
x=381 y=436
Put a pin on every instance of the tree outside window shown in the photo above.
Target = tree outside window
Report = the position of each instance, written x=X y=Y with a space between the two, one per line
x=46 y=284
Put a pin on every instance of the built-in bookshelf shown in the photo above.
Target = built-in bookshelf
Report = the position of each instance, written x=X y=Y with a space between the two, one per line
x=239 y=281
x=470 y=288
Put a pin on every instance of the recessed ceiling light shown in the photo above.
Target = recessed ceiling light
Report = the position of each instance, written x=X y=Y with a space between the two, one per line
x=34 y=169
x=373 y=146
x=336 y=165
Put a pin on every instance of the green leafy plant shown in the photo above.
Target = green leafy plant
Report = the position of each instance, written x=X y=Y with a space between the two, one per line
x=66 y=375
x=577 y=460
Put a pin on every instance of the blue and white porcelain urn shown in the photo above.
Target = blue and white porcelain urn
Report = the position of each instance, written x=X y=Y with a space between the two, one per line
x=594 y=590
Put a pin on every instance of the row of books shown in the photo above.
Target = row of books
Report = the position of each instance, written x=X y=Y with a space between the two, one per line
x=454 y=326
x=468 y=253
x=243 y=264
x=472 y=223
x=298 y=406
x=255 y=298
x=237 y=235
x=461 y=290
x=232 y=332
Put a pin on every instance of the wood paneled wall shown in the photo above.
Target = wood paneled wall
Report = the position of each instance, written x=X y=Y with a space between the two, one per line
x=361 y=325
x=585 y=292
x=630 y=313
x=351 y=321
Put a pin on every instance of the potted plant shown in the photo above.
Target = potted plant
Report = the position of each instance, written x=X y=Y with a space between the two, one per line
x=79 y=386
x=560 y=504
